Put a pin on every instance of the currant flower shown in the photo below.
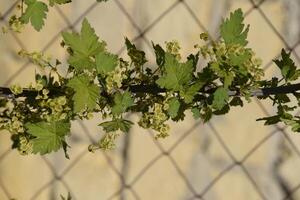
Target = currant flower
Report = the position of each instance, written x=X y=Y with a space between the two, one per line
x=37 y=58
x=173 y=47
x=107 y=142
x=15 y=24
x=115 y=78
x=25 y=146
x=16 y=89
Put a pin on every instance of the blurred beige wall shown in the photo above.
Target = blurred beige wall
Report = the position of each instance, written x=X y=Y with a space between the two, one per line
x=198 y=155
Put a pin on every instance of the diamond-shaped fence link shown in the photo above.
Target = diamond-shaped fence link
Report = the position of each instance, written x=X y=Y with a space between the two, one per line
x=233 y=162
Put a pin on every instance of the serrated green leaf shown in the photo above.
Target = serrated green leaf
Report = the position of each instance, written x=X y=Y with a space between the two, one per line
x=207 y=75
x=196 y=113
x=138 y=57
x=122 y=102
x=116 y=124
x=229 y=77
x=49 y=135
x=295 y=124
x=84 y=45
x=53 y=2
x=232 y=29
x=236 y=101
x=237 y=60
x=189 y=92
x=287 y=66
x=282 y=98
x=175 y=74
x=36 y=13
x=159 y=54
x=222 y=72
x=86 y=93
x=222 y=111
x=106 y=62
x=220 y=98
x=173 y=108
x=194 y=59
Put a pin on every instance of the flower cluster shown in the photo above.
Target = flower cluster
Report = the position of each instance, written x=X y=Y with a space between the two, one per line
x=25 y=146
x=235 y=54
x=16 y=89
x=173 y=48
x=107 y=142
x=37 y=58
x=15 y=25
x=12 y=118
x=233 y=61
x=156 y=121
x=115 y=78
x=54 y=109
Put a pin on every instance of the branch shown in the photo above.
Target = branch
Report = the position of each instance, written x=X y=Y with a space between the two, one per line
x=155 y=89
x=281 y=89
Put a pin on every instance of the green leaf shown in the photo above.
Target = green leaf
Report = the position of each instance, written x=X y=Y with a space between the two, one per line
x=295 y=124
x=220 y=98
x=206 y=114
x=270 y=120
x=175 y=74
x=222 y=111
x=53 y=2
x=106 y=62
x=207 y=75
x=222 y=72
x=196 y=113
x=86 y=93
x=229 y=77
x=122 y=102
x=287 y=66
x=194 y=59
x=49 y=136
x=282 y=98
x=237 y=60
x=174 y=106
x=137 y=57
x=232 y=29
x=116 y=124
x=236 y=101
x=189 y=92
x=36 y=13
x=84 y=46
x=160 y=54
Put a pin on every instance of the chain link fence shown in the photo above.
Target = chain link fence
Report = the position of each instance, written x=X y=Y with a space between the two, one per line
x=125 y=184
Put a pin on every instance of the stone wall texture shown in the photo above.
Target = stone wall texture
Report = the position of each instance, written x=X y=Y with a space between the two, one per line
x=232 y=157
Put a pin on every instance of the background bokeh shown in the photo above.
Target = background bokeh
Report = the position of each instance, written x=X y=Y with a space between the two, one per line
x=232 y=157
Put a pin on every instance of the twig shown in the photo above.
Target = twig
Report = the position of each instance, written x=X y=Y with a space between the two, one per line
x=155 y=89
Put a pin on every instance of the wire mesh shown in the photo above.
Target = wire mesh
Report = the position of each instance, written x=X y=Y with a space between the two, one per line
x=125 y=184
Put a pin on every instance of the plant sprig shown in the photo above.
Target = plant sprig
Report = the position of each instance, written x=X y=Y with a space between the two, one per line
x=99 y=81
x=33 y=12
